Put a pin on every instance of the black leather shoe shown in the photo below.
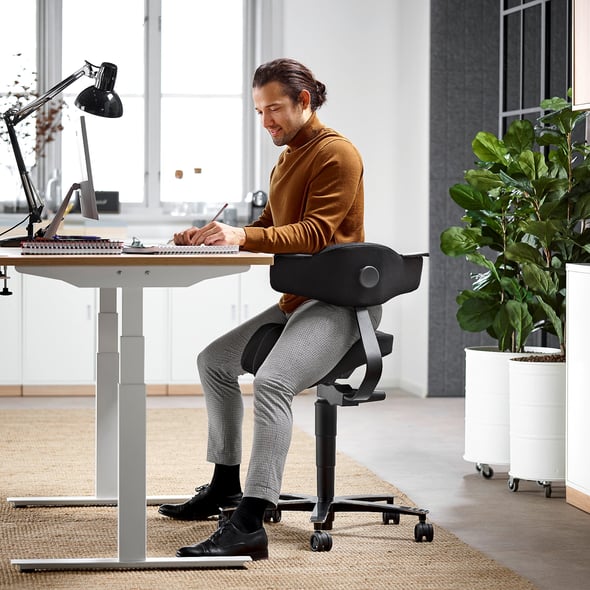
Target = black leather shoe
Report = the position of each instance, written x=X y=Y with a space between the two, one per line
x=201 y=506
x=228 y=541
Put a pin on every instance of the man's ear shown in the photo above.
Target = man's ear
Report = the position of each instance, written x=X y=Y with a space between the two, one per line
x=304 y=98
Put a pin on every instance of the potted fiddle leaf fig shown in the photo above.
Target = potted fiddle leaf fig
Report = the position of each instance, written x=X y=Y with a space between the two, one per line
x=557 y=194
x=524 y=209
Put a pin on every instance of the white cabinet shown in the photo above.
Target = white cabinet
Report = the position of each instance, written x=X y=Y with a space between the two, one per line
x=11 y=341
x=52 y=327
x=256 y=293
x=198 y=315
x=156 y=319
x=578 y=386
x=58 y=332
x=228 y=301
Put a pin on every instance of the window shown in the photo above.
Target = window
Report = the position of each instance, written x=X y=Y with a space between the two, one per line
x=182 y=80
x=17 y=48
x=535 y=56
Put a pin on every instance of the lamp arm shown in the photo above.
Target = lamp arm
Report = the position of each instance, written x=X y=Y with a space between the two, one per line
x=17 y=116
x=33 y=199
x=13 y=117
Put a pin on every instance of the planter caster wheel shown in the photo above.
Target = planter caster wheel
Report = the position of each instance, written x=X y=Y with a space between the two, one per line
x=423 y=530
x=485 y=470
x=547 y=486
x=387 y=517
x=274 y=515
x=320 y=541
x=513 y=484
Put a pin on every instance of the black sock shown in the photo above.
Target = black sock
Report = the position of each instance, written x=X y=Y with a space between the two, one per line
x=249 y=514
x=226 y=479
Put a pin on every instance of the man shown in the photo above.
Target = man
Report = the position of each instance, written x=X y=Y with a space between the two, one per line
x=315 y=199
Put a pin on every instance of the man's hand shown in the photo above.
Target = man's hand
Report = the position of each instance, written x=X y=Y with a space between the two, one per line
x=214 y=233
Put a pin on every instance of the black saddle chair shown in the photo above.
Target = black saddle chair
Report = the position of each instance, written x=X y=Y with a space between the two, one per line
x=357 y=275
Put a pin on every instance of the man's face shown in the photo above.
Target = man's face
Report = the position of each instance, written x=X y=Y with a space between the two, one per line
x=280 y=117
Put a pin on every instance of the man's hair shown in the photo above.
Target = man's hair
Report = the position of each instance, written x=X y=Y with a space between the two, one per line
x=294 y=77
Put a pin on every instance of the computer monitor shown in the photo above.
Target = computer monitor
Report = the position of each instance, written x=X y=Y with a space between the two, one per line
x=88 y=206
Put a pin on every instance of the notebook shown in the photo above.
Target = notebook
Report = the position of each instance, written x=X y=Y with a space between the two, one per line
x=71 y=245
x=180 y=250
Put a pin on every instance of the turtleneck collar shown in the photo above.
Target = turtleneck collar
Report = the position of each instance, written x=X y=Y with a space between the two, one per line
x=311 y=128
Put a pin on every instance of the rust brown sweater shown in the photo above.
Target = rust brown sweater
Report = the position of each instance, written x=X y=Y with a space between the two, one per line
x=316 y=198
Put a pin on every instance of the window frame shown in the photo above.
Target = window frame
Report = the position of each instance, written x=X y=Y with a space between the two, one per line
x=256 y=17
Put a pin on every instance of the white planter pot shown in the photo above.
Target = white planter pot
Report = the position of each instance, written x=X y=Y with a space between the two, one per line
x=487 y=408
x=537 y=420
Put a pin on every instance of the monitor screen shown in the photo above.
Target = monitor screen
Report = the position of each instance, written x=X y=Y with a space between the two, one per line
x=87 y=195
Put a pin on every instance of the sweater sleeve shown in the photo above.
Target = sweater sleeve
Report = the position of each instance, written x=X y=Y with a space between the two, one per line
x=329 y=211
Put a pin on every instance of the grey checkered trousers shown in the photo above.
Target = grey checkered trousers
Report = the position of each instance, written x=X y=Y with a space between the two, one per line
x=315 y=337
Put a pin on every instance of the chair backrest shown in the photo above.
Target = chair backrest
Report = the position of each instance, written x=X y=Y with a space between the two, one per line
x=358 y=274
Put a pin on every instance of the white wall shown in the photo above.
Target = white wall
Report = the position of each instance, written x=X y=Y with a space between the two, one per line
x=373 y=56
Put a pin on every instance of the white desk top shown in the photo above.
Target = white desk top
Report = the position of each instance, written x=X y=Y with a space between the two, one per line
x=14 y=257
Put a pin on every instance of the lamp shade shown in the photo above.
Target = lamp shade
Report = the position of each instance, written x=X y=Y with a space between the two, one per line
x=101 y=99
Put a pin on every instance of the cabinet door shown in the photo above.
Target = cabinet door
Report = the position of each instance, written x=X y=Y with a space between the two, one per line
x=198 y=315
x=256 y=294
x=59 y=333
x=578 y=376
x=11 y=341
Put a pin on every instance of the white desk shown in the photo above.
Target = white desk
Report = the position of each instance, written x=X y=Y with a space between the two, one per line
x=120 y=388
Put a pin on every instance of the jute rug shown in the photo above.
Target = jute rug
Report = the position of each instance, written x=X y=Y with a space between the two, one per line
x=48 y=453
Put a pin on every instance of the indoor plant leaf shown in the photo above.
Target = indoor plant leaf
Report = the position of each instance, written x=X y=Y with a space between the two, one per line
x=488 y=148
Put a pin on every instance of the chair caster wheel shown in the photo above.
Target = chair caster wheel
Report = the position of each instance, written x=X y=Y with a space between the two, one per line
x=423 y=530
x=513 y=484
x=388 y=517
x=274 y=515
x=320 y=541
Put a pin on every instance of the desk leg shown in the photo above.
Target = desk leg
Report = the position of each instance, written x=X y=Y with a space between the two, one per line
x=132 y=415
x=132 y=431
x=107 y=381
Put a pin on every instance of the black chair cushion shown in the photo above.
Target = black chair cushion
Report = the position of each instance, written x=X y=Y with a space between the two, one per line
x=267 y=335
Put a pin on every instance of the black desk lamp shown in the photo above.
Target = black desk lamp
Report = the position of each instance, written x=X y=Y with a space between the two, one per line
x=99 y=99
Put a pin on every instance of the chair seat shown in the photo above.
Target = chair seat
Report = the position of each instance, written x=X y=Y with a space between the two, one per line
x=263 y=340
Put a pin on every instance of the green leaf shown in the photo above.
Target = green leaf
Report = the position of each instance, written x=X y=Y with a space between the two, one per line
x=481 y=260
x=545 y=231
x=532 y=164
x=538 y=280
x=476 y=314
x=551 y=137
x=520 y=320
x=520 y=136
x=488 y=148
x=468 y=197
x=521 y=252
x=555 y=104
x=458 y=241
x=554 y=320
x=582 y=208
x=483 y=180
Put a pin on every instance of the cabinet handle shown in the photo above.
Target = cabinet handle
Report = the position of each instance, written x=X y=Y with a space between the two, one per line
x=246 y=312
x=89 y=314
x=234 y=315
